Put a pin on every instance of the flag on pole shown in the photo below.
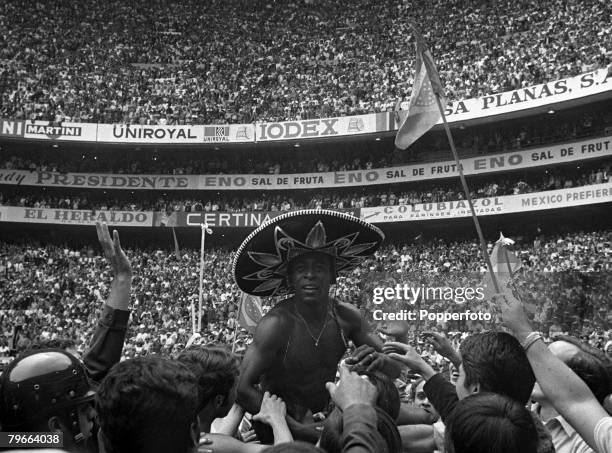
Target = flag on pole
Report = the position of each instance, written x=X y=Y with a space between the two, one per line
x=177 y=252
x=423 y=112
x=250 y=312
x=504 y=263
x=206 y=228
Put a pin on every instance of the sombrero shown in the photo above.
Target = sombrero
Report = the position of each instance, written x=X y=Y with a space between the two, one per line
x=261 y=262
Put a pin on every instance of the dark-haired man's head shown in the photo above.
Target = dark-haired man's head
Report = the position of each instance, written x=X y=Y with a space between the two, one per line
x=388 y=398
x=387 y=409
x=494 y=362
x=148 y=405
x=584 y=360
x=332 y=435
x=47 y=390
x=216 y=370
x=489 y=422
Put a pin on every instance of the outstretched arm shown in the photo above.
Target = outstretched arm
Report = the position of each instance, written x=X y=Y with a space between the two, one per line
x=569 y=395
x=369 y=353
x=444 y=347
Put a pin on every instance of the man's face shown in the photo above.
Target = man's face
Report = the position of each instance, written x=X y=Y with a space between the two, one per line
x=564 y=351
x=421 y=400
x=311 y=276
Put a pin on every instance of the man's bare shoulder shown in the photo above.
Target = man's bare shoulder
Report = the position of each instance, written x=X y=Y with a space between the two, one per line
x=276 y=324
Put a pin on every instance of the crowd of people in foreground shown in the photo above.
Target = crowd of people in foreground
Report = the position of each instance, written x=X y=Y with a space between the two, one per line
x=474 y=399
x=428 y=192
x=179 y=62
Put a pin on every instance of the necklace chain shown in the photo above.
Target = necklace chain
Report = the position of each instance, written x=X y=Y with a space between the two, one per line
x=318 y=338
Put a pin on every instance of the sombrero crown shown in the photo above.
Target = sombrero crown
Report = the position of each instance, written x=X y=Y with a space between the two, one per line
x=261 y=262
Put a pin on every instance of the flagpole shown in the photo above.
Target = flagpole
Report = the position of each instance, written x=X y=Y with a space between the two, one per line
x=236 y=326
x=201 y=295
x=483 y=243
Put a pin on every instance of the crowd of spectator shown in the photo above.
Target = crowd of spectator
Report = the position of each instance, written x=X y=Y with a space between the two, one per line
x=239 y=61
x=428 y=192
x=55 y=292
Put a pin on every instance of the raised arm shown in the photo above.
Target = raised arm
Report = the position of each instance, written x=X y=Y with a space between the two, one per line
x=569 y=395
x=444 y=347
x=107 y=341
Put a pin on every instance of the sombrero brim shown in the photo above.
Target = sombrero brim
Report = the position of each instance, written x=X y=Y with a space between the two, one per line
x=260 y=264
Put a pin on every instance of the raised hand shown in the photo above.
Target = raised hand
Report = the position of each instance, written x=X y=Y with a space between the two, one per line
x=120 y=265
x=443 y=346
x=351 y=389
x=273 y=410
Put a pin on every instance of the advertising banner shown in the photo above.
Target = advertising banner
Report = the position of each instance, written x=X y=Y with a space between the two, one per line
x=47 y=130
x=10 y=128
x=194 y=134
x=75 y=216
x=588 y=84
x=222 y=219
x=509 y=204
x=124 y=133
x=319 y=128
x=553 y=155
x=229 y=133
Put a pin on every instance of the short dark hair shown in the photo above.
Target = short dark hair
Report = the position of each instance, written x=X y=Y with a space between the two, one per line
x=332 y=434
x=388 y=398
x=591 y=365
x=497 y=362
x=486 y=422
x=215 y=368
x=147 y=404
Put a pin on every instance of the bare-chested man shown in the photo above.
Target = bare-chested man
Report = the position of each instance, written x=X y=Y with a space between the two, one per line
x=298 y=344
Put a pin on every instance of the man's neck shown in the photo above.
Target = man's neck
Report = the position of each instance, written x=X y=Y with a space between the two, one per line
x=312 y=313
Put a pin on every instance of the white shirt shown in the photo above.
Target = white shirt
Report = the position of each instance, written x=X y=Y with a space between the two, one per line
x=603 y=435
x=565 y=438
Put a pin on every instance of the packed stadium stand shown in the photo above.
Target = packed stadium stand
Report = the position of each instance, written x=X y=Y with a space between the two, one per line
x=179 y=63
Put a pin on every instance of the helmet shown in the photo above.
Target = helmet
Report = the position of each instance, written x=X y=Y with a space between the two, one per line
x=40 y=383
